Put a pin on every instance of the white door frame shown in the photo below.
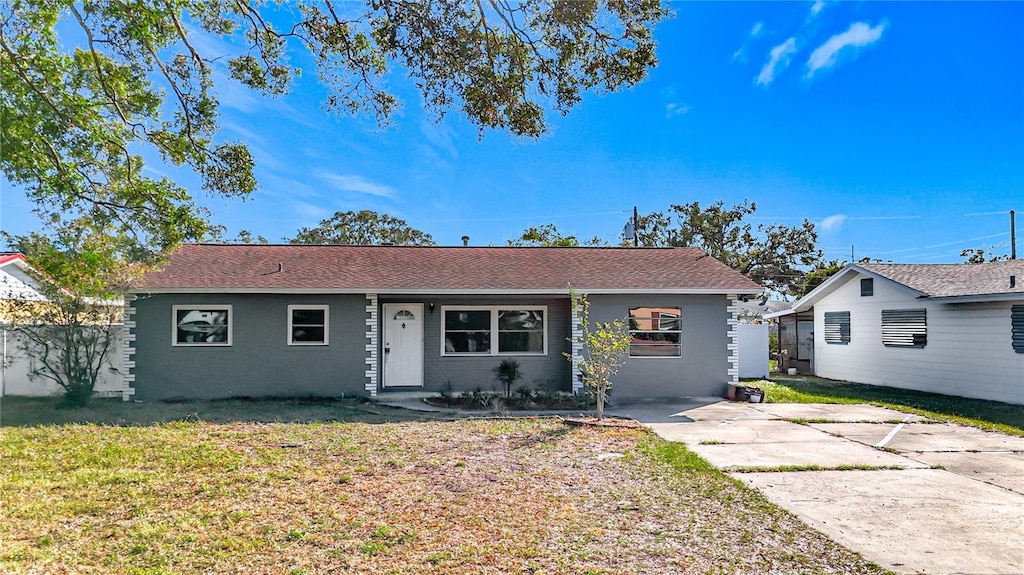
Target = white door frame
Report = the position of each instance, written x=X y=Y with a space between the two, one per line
x=402 y=345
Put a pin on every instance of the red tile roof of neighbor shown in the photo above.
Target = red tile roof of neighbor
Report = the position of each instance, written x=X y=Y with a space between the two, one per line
x=408 y=269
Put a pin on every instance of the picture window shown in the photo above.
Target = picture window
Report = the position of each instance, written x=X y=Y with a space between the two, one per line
x=494 y=330
x=201 y=325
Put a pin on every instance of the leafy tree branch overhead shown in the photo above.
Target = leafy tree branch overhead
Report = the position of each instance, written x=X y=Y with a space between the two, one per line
x=89 y=86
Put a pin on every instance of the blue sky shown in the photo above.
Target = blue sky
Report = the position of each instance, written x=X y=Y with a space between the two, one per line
x=898 y=128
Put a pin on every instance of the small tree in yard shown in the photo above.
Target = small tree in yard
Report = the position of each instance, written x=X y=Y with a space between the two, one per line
x=508 y=373
x=68 y=333
x=605 y=348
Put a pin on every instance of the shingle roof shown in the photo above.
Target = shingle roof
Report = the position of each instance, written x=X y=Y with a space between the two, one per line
x=952 y=280
x=383 y=269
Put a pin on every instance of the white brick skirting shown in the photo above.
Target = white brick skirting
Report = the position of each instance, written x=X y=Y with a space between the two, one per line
x=371 y=344
x=128 y=350
x=734 y=344
x=577 y=347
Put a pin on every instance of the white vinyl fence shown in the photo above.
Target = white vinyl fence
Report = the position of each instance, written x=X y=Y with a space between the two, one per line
x=15 y=369
x=753 y=349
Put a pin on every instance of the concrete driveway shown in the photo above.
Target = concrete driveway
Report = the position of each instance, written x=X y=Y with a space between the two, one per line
x=910 y=495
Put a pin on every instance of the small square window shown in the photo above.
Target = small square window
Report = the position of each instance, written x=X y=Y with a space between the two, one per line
x=308 y=324
x=867 y=287
x=202 y=325
x=655 y=332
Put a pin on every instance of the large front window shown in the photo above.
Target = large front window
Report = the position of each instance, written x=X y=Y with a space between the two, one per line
x=655 y=332
x=202 y=325
x=497 y=330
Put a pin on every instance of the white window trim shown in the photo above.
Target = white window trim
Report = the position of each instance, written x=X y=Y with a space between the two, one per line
x=494 y=329
x=327 y=324
x=678 y=318
x=201 y=306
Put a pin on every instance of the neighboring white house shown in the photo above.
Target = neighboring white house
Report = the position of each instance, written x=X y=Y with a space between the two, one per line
x=956 y=329
x=17 y=283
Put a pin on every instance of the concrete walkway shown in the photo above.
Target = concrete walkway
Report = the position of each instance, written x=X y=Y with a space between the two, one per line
x=910 y=495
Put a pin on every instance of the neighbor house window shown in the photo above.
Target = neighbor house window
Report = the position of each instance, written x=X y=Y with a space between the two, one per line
x=1017 y=328
x=837 y=327
x=867 y=287
x=655 y=332
x=202 y=325
x=904 y=327
x=494 y=330
x=308 y=324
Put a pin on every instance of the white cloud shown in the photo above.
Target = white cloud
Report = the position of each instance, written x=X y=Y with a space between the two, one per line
x=358 y=185
x=740 y=55
x=833 y=222
x=778 y=59
x=311 y=212
x=441 y=135
x=858 y=36
x=676 y=109
x=817 y=7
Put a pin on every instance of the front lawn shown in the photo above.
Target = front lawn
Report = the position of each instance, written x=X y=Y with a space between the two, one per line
x=991 y=415
x=20 y=411
x=473 y=496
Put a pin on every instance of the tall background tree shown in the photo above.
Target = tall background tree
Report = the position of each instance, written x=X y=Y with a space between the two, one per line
x=775 y=255
x=548 y=235
x=363 y=228
x=818 y=274
x=88 y=86
x=980 y=256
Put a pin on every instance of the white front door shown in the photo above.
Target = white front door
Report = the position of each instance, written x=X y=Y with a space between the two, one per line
x=403 y=345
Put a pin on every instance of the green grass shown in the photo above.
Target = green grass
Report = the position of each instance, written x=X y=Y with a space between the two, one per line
x=989 y=415
x=498 y=496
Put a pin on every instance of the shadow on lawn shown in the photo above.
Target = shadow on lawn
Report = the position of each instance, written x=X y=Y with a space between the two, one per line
x=28 y=411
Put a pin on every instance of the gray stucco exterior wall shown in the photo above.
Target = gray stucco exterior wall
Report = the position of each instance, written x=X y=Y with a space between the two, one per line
x=703 y=368
x=259 y=362
x=467 y=373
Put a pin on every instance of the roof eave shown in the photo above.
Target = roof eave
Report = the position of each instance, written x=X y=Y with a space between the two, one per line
x=1010 y=296
x=449 y=291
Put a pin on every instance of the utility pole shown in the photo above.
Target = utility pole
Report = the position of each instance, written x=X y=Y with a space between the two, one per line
x=636 y=228
x=1013 y=238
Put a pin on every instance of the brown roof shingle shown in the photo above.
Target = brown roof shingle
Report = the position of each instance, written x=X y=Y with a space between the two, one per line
x=219 y=267
x=952 y=280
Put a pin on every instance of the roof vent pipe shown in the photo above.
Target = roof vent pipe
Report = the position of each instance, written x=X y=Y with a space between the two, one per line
x=465 y=241
x=1013 y=281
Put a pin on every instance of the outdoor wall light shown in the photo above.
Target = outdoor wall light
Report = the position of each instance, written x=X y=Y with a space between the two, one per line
x=431 y=306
